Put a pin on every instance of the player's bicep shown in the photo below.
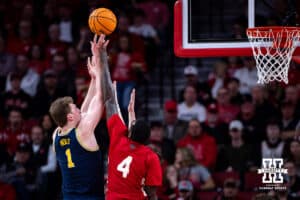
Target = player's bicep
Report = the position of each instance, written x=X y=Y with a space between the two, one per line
x=91 y=118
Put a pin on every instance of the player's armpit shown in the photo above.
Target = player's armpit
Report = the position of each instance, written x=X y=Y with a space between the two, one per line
x=151 y=192
x=116 y=127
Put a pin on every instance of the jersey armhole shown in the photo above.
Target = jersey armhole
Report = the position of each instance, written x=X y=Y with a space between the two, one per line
x=81 y=143
x=54 y=135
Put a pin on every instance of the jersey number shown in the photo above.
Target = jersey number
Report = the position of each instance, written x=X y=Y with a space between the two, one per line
x=124 y=166
x=69 y=158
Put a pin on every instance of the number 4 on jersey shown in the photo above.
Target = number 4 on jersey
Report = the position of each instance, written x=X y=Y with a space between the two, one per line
x=124 y=166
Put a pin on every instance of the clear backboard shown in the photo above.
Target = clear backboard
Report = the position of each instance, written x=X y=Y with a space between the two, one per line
x=211 y=28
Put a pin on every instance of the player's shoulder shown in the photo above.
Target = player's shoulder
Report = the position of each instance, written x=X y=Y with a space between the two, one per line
x=150 y=153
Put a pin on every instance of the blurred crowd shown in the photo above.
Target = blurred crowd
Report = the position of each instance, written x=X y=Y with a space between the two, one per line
x=213 y=135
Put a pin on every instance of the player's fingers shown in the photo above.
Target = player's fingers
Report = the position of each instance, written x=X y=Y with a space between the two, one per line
x=106 y=43
x=102 y=36
x=95 y=38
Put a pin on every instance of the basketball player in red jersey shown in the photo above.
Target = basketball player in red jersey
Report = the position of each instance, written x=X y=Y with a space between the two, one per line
x=134 y=170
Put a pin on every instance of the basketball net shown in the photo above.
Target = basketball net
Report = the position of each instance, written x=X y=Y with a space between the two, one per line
x=273 y=48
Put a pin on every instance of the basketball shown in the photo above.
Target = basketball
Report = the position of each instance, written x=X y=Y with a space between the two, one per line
x=102 y=20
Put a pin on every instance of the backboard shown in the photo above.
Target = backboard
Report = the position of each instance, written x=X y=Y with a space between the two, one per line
x=213 y=28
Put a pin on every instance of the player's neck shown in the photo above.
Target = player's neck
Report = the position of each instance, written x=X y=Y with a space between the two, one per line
x=65 y=129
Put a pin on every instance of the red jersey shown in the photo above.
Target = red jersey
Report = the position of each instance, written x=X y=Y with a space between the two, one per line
x=204 y=148
x=130 y=165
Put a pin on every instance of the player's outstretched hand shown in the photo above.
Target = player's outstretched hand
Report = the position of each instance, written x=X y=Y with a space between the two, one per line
x=98 y=46
x=131 y=102
x=116 y=100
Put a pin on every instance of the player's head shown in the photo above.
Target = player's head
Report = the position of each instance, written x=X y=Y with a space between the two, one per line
x=139 y=131
x=63 y=110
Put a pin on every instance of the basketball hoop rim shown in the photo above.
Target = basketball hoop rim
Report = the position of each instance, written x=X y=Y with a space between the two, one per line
x=283 y=30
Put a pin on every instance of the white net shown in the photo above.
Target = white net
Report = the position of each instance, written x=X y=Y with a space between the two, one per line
x=273 y=50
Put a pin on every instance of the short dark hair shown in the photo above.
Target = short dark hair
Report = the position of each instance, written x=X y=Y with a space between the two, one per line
x=273 y=121
x=59 y=110
x=140 y=131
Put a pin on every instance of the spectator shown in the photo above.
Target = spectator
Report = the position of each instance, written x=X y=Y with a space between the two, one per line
x=190 y=108
x=254 y=129
x=293 y=153
x=190 y=169
x=48 y=127
x=82 y=85
x=218 y=78
x=292 y=95
x=43 y=159
x=73 y=60
x=65 y=75
x=7 y=62
x=234 y=63
x=214 y=127
x=128 y=65
x=227 y=111
x=237 y=156
x=83 y=46
x=273 y=146
x=67 y=26
x=203 y=146
x=157 y=13
x=233 y=86
x=22 y=43
x=164 y=145
x=29 y=78
x=263 y=108
x=123 y=29
x=15 y=132
x=15 y=97
x=168 y=191
x=288 y=119
x=191 y=78
x=293 y=180
x=48 y=91
x=174 y=129
x=19 y=173
x=186 y=190
x=247 y=75
x=142 y=28
x=37 y=60
x=230 y=190
x=54 y=45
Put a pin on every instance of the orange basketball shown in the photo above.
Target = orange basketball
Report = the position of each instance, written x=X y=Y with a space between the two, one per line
x=102 y=20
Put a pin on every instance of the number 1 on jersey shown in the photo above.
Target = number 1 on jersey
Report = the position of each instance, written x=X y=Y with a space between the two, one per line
x=69 y=158
x=124 y=166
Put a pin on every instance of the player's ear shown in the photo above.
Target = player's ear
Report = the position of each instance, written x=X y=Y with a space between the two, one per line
x=70 y=117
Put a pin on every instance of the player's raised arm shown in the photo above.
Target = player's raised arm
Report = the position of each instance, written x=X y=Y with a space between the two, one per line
x=95 y=109
x=115 y=96
x=131 y=113
x=108 y=89
x=91 y=92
